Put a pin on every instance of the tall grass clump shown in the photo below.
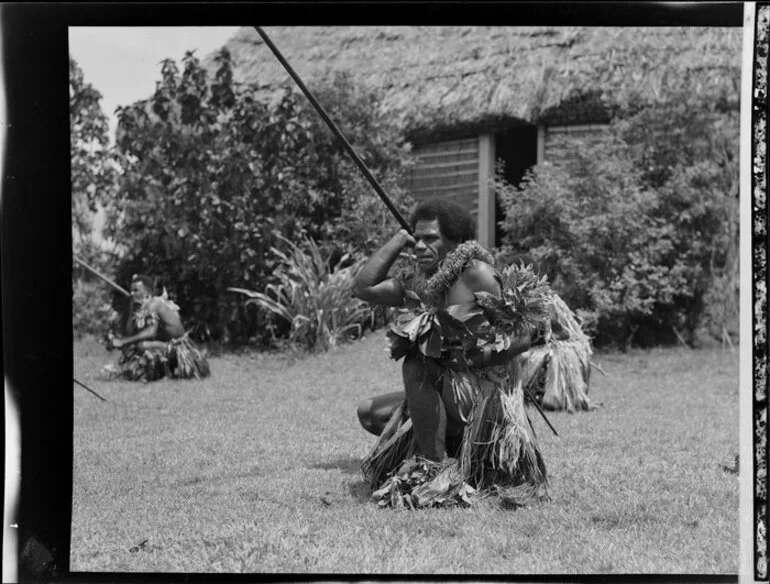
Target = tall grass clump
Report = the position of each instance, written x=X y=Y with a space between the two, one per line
x=310 y=301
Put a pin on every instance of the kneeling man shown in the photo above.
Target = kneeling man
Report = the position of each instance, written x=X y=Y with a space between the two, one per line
x=463 y=406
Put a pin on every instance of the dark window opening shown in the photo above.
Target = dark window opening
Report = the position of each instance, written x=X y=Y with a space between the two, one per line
x=516 y=148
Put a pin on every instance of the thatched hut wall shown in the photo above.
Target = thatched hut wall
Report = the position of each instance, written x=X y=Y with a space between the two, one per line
x=452 y=76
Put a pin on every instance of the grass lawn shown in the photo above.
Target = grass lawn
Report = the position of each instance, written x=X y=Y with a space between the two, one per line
x=257 y=470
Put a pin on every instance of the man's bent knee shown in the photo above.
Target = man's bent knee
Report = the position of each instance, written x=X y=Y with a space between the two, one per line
x=375 y=412
x=365 y=414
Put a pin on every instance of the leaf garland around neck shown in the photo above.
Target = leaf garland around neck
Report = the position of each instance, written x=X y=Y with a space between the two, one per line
x=433 y=289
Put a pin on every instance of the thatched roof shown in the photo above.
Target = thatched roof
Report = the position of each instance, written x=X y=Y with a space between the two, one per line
x=451 y=76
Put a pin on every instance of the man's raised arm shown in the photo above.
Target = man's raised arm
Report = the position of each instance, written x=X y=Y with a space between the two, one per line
x=372 y=284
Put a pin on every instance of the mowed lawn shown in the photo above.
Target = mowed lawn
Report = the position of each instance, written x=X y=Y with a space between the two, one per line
x=257 y=470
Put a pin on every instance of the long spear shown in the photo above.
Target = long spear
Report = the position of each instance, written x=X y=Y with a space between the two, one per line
x=539 y=409
x=357 y=159
x=102 y=276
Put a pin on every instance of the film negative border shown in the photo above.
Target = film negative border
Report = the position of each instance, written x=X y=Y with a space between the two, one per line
x=759 y=292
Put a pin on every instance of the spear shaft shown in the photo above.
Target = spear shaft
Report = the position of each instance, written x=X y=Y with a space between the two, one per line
x=357 y=159
x=539 y=409
x=84 y=386
x=102 y=276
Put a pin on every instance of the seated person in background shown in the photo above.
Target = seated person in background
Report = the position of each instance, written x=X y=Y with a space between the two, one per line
x=156 y=344
x=155 y=320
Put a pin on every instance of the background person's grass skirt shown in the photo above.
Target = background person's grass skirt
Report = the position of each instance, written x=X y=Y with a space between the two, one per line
x=180 y=359
x=557 y=373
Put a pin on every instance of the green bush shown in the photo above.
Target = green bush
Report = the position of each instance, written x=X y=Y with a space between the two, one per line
x=686 y=147
x=584 y=228
x=96 y=306
x=92 y=173
x=212 y=174
x=92 y=181
x=635 y=238
x=312 y=299
x=92 y=310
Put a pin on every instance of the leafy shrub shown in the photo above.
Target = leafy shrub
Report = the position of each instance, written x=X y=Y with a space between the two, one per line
x=634 y=233
x=92 y=311
x=92 y=181
x=92 y=172
x=313 y=297
x=212 y=174
x=584 y=229
x=686 y=147
x=96 y=306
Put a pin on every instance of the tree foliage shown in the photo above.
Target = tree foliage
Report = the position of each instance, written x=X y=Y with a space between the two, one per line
x=92 y=184
x=213 y=173
x=639 y=231
x=92 y=174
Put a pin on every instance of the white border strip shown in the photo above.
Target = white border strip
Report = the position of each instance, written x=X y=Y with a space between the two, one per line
x=746 y=563
x=12 y=411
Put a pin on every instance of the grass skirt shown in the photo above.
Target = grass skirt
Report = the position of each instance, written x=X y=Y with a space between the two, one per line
x=180 y=359
x=498 y=453
x=557 y=373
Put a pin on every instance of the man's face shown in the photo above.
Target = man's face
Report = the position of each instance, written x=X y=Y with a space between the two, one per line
x=430 y=245
x=139 y=292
